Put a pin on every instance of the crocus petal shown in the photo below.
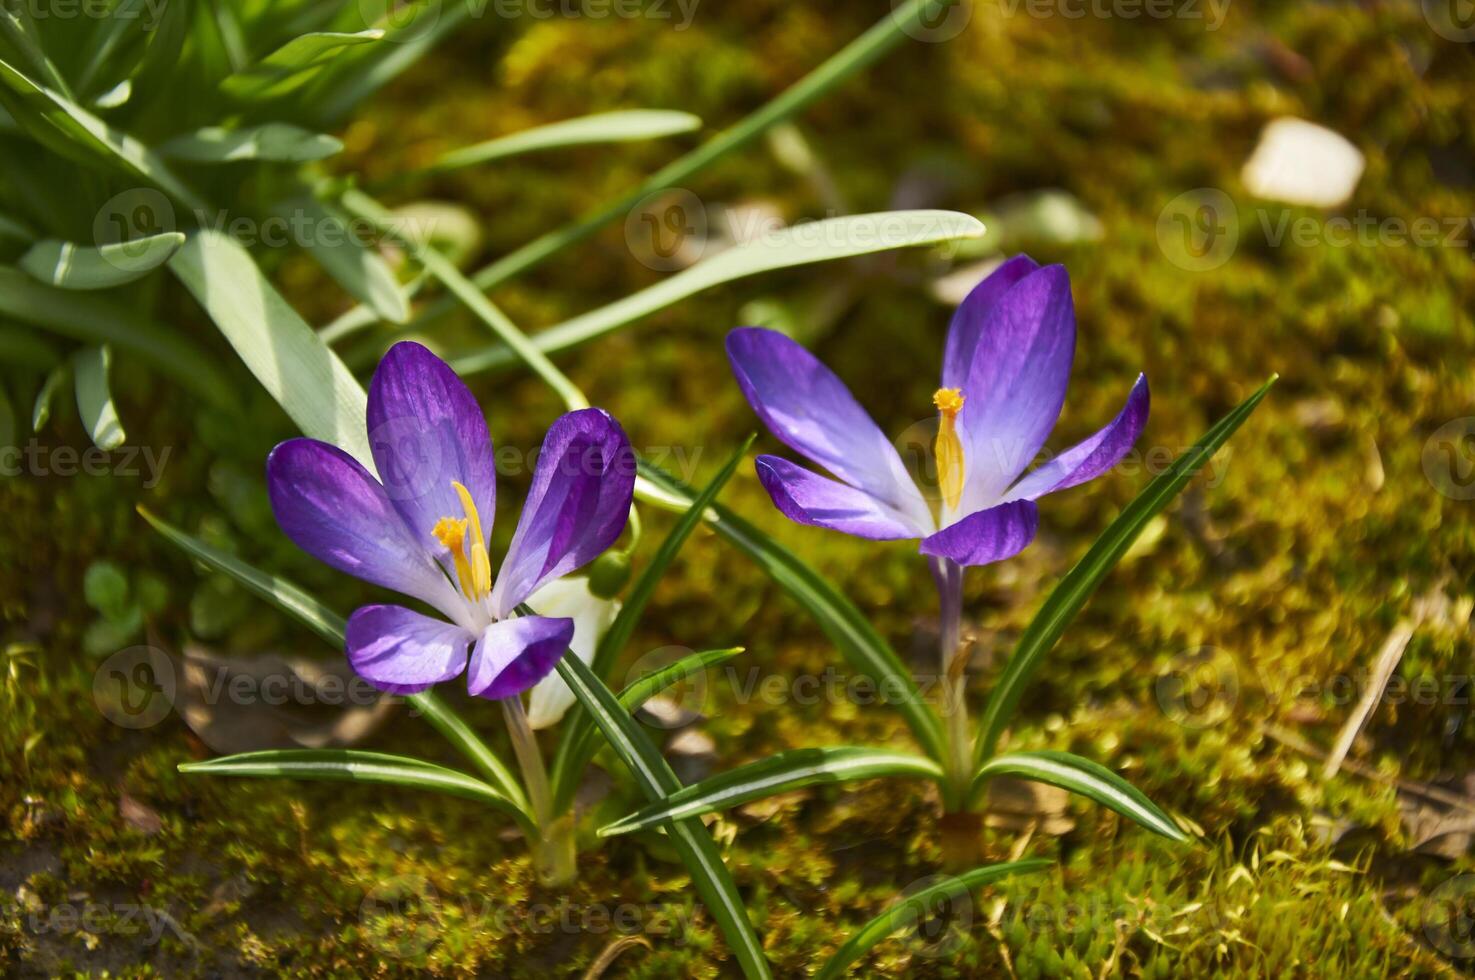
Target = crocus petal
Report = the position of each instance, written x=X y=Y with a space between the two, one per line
x=576 y=508
x=809 y=498
x=514 y=654
x=1090 y=458
x=402 y=652
x=426 y=431
x=1016 y=383
x=812 y=412
x=969 y=318
x=987 y=536
x=592 y=617
x=330 y=506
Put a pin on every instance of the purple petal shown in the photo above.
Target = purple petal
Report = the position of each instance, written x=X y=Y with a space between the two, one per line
x=514 y=654
x=576 y=508
x=1090 y=458
x=400 y=651
x=969 y=319
x=987 y=536
x=426 y=430
x=330 y=506
x=809 y=498
x=812 y=412
x=1016 y=384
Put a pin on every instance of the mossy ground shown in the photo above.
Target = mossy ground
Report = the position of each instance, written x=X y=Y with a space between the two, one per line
x=1317 y=533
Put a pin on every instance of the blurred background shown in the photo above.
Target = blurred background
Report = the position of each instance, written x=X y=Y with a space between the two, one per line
x=1283 y=660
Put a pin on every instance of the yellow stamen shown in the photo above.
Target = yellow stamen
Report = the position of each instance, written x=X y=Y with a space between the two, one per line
x=481 y=564
x=948 y=448
x=451 y=532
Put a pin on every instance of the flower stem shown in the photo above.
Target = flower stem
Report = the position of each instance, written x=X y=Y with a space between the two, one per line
x=553 y=852
x=951 y=663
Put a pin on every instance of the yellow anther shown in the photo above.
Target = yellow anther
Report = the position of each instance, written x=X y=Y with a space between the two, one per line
x=948 y=448
x=481 y=564
x=451 y=532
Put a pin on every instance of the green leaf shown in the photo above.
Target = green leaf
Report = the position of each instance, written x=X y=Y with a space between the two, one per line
x=297 y=369
x=22 y=347
x=919 y=903
x=356 y=267
x=55 y=381
x=803 y=244
x=1089 y=779
x=71 y=266
x=864 y=648
x=276 y=141
x=71 y=131
x=348 y=765
x=443 y=269
x=577 y=747
x=692 y=841
x=96 y=320
x=95 y=399
x=292 y=65
x=776 y=774
x=13 y=230
x=326 y=623
x=278 y=591
x=642 y=689
x=605 y=127
x=1080 y=583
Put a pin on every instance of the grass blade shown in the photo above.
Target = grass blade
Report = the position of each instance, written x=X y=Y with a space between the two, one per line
x=577 y=746
x=906 y=911
x=1080 y=583
x=642 y=689
x=626 y=126
x=864 y=648
x=692 y=841
x=1089 y=779
x=349 y=765
x=292 y=65
x=68 y=265
x=279 y=142
x=776 y=774
x=55 y=381
x=355 y=266
x=805 y=244
x=297 y=369
x=95 y=399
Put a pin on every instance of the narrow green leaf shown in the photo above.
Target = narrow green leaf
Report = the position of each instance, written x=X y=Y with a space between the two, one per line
x=642 y=689
x=292 y=65
x=776 y=774
x=71 y=131
x=95 y=399
x=348 y=765
x=353 y=264
x=326 y=623
x=917 y=904
x=68 y=265
x=804 y=244
x=1080 y=583
x=577 y=746
x=276 y=141
x=1089 y=779
x=96 y=320
x=297 y=369
x=606 y=127
x=443 y=269
x=864 y=648
x=55 y=381
x=692 y=841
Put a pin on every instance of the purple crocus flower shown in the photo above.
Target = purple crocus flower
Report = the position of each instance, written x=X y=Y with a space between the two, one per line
x=424 y=531
x=1005 y=370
